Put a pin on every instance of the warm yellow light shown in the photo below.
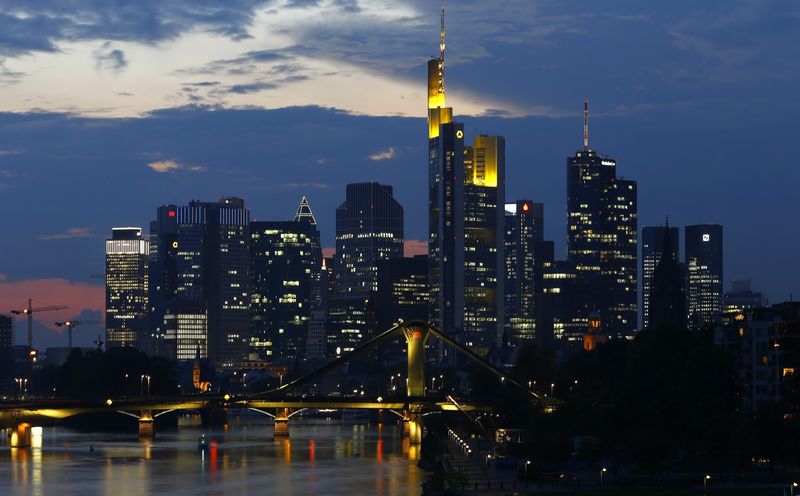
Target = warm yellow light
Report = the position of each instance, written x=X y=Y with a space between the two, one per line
x=227 y=397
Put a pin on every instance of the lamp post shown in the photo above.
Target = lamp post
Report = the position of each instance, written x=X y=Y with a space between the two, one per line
x=145 y=379
x=791 y=488
x=602 y=472
x=705 y=483
x=552 y=388
x=527 y=462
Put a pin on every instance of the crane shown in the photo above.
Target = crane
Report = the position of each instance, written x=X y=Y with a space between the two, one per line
x=30 y=310
x=75 y=323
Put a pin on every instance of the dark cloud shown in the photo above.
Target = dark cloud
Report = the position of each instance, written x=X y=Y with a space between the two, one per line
x=243 y=89
x=38 y=25
x=108 y=58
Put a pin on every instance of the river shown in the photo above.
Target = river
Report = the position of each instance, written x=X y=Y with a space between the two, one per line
x=319 y=458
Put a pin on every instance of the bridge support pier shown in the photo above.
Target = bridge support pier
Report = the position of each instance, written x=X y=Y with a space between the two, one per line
x=20 y=436
x=412 y=425
x=281 y=423
x=147 y=427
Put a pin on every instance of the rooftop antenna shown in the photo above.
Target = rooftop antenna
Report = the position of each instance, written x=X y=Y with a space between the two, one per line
x=441 y=34
x=586 y=124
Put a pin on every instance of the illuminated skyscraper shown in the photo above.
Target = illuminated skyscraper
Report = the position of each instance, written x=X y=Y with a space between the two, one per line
x=127 y=257
x=369 y=228
x=199 y=256
x=602 y=238
x=445 y=204
x=652 y=247
x=285 y=263
x=703 y=251
x=524 y=229
x=484 y=237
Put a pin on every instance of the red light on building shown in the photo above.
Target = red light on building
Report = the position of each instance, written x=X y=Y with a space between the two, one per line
x=525 y=207
x=171 y=213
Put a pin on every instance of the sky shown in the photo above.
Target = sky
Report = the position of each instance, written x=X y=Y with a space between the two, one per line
x=109 y=109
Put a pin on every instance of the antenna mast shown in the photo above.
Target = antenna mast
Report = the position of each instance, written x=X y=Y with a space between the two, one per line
x=586 y=124
x=441 y=34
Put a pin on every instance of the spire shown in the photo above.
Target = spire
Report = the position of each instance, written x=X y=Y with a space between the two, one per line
x=304 y=213
x=441 y=34
x=586 y=124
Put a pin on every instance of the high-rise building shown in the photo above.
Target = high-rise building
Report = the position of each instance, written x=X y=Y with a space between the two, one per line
x=445 y=204
x=484 y=239
x=369 y=228
x=199 y=258
x=524 y=228
x=127 y=265
x=652 y=247
x=602 y=238
x=284 y=272
x=667 y=297
x=703 y=251
x=402 y=291
x=6 y=333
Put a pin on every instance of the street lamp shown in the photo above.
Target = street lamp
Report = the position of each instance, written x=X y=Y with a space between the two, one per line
x=791 y=488
x=705 y=483
x=552 y=388
x=527 y=462
x=145 y=378
x=602 y=471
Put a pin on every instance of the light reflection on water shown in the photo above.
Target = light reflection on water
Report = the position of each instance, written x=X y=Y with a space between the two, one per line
x=324 y=458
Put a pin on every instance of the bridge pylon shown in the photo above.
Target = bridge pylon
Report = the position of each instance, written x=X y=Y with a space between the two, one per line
x=147 y=425
x=416 y=336
x=20 y=436
x=281 y=423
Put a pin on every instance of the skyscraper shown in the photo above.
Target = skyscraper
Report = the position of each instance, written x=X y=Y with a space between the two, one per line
x=602 y=238
x=484 y=239
x=703 y=251
x=200 y=263
x=524 y=228
x=285 y=263
x=667 y=298
x=445 y=203
x=402 y=290
x=127 y=264
x=369 y=228
x=652 y=246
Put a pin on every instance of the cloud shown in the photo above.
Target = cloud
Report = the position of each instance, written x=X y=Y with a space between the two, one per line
x=413 y=247
x=108 y=58
x=243 y=89
x=74 y=232
x=164 y=166
x=384 y=155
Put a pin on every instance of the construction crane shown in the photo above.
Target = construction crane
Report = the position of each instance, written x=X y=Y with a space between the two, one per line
x=70 y=324
x=30 y=310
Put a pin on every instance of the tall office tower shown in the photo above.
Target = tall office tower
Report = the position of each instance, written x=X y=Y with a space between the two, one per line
x=558 y=320
x=652 y=247
x=402 y=291
x=199 y=258
x=284 y=272
x=369 y=228
x=602 y=238
x=524 y=228
x=445 y=204
x=6 y=333
x=484 y=238
x=127 y=265
x=703 y=252
x=667 y=297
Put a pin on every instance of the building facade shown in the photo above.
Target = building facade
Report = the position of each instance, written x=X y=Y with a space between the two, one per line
x=524 y=229
x=704 y=264
x=369 y=229
x=602 y=216
x=652 y=247
x=199 y=258
x=484 y=240
x=6 y=333
x=127 y=266
x=285 y=263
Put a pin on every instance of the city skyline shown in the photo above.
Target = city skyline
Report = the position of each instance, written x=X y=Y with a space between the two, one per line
x=174 y=176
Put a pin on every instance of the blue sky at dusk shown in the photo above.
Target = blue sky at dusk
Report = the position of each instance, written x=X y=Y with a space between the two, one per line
x=110 y=109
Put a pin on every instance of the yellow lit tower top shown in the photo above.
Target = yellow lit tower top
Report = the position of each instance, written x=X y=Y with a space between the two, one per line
x=438 y=114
